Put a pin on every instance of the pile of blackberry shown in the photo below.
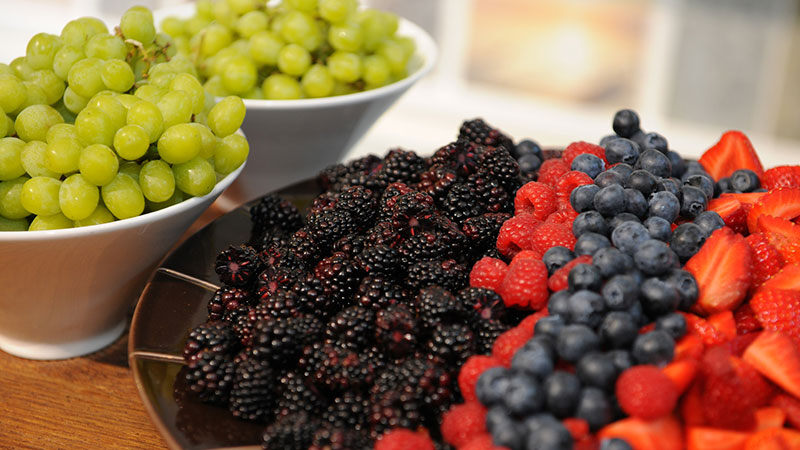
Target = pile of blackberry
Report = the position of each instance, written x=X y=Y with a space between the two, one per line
x=334 y=326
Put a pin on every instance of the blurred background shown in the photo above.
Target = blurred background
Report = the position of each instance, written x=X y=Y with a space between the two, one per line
x=556 y=70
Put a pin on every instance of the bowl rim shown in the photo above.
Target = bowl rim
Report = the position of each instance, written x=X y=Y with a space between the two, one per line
x=425 y=48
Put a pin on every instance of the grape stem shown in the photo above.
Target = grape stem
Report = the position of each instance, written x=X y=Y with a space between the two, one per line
x=147 y=57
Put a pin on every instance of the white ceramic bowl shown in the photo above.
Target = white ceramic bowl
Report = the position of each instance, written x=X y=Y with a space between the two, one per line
x=66 y=293
x=292 y=140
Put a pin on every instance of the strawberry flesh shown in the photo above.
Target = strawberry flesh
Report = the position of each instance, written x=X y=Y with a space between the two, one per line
x=783 y=203
x=776 y=357
x=733 y=152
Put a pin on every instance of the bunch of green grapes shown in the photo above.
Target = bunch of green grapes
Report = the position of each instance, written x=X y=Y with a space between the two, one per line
x=295 y=49
x=97 y=126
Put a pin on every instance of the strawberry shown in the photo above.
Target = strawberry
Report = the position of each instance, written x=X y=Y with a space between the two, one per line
x=551 y=170
x=681 y=372
x=690 y=346
x=781 y=176
x=535 y=198
x=783 y=234
x=783 y=203
x=776 y=357
x=691 y=407
x=731 y=210
x=769 y=417
x=558 y=280
x=767 y=261
x=576 y=148
x=705 y=438
x=722 y=269
x=733 y=151
x=700 y=327
x=746 y=320
x=724 y=322
x=660 y=434
x=774 y=439
x=790 y=406
x=778 y=310
x=787 y=277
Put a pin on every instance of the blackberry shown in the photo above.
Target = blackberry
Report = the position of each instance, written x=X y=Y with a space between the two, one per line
x=425 y=245
x=481 y=231
x=277 y=252
x=209 y=375
x=394 y=409
x=323 y=202
x=384 y=233
x=351 y=245
x=274 y=279
x=378 y=259
x=389 y=199
x=225 y=300
x=349 y=410
x=336 y=368
x=252 y=394
x=401 y=165
x=295 y=395
x=331 y=438
x=237 y=266
x=304 y=248
x=483 y=304
x=328 y=226
x=378 y=292
x=486 y=332
x=498 y=164
x=333 y=177
x=281 y=340
x=453 y=343
x=479 y=132
x=340 y=277
x=359 y=172
x=461 y=203
x=396 y=330
x=213 y=337
x=360 y=203
x=291 y=432
x=435 y=305
x=491 y=194
x=353 y=325
x=411 y=212
x=272 y=211
x=311 y=292
x=460 y=156
x=448 y=274
x=436 y=182
x=280 y=304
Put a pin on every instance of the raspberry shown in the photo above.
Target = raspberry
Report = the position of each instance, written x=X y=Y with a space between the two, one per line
x=767 y=261
x=558 y=281
x=488 y=273
x=516 y=234
x=463 y=422
x=535 y=198
x=404 y=439
x=551 y=170
x=578 y=428
x=481 y=442
x=646 y=392
x=526 y=254
x=509 y=342
x=569 y=181
x=525 y=284
x=746 y=320
x=576 y=148
x=565 y=215
x=548 y=235
x=530 y=322
x=471 y=371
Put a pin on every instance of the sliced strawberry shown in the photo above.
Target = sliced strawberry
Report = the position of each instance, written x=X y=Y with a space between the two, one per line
x=722 y=269
x=787 y=277
x=691 y=406
x=732 y=212
x=724 y=323
x=733 y=152
x=700 y=327
x=705 y=438
x=784 y=235
x=767 y=260
x=769 y=417
x=659 y=434
x=783 y=203
x=781 y=176
x=776 y=357
x=681 y=373
x=746 y=320
x=774 y=439
x=778 y=310
x=790 y=406
x=690 y=346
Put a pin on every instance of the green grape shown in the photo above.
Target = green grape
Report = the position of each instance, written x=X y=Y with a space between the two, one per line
x=116 y=113
x=195 y=24
x=240 y=75
x=175 y=107
x=205 y=8
x=195 y=177
x=32 y=158
x=66 y=114
x=147 y=116
x=12 y=92
x=242 y=6
x=95 y=126
x=10 y=163
x=308 y=6
x=138 y=25
x=4 y=128
x=150 y=93
x=179 y=143
x=52 y=86
x=255 y=94
x=173 y=26
x=77 y=197
x=407 y=44
x=231 y=153
x=227 y=116
x=6 y=69
x=41 y=49
x=317 y=82
x=21 y=68
x=106 y=46
x=34 y=121
x=395 y=55
x=74 y=102
x=84 y=77
x=208 y=142
x=13 y=224
x=224 y=14
x=131 y=169
x=189 y=84
x=251 y=22
x=176 y=198
x=64 y=58
x=98 y=164
x=294 y=60
x=77 y=32
x=117 y=75
x=40 y=196
x=127 y=100
x=10 y=131
x=142 y=9
x=55 y=222
x=157 y=181
x=336 y=11
x=36 y=96
x=62 y=155
x=99 y=216
x=264 y=47
x=301 y=29
x=123 y=197
x=215 y=38
x=377 y=26
x=10 y=195
x=345 y=66
x=281 y=87
x=376 y=71
x=219 y=62
x=276 y=25
x=61 y=130
x=182 y=45
x=131 y=142
x=346 y=37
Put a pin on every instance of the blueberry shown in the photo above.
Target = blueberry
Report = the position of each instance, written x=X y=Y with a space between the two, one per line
x=626 y=123
x=623 y=169
x=686 y=286
x=589 y=243
x=658 y=228
x=523 y=396
x=678 y=166
x=686 y=240
x=709 y=221
x=584 y=276
x=617 y=220
x=655 y=347
x=610 y=200
x=608 y=178
x=562 y=391
x=589 y=164
x=672 y=185
x=694 y=201
x=615 y=444
x=611 y=261
x=618 y=329
x=548 y=326
x=703 y=182
x=665 y=205
x=576 y=340
x=635 y=203
x=642 y=180
x=547 y=433
x=589 y=222
x=622 y=359
x=529 y=163
x=722 y=186
x=505 y=430
x=672 y=323
x=658 y=297
x=527 y=147
x=558 y=304
x=620 y=292
x=637 y=313
x=598 y=370
x=557 y=257
x=622 y=151
x=745 y=180
x=628 y=236
x=654 y=162
x=606 y=139
x=586 y=307
x=491 y=386
x=542 y=344
x=654 y=257
x=582 y=197
x=655 y=141
x=533 y=362
x=694 y=167
x=594 y=408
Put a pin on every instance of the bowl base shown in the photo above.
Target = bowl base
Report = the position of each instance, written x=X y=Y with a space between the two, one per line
x=47 y=351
